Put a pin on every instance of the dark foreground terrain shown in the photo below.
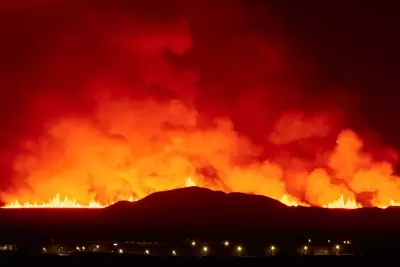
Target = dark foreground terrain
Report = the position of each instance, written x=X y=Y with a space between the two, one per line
x=193 y=261
x=201 y=213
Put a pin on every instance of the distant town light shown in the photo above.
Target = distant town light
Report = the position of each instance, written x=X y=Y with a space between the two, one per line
x=226 y=243
x=205 y=250
x=193 y=243
x=147 y=252
x=239 y=250
x=272 y=250
x=337 y=247
x=78 y=248
x=83 y=248
x=121 y=251
x=97 y=246
x=174 y=252
x=305 y=247
x=309 y=240
x=329 y=241
x=115 y=244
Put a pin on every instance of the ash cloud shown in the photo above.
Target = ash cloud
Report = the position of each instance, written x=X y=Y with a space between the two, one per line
x=88 y=87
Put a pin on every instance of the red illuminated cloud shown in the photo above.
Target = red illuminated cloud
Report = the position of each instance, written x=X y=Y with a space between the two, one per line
x=16 y=4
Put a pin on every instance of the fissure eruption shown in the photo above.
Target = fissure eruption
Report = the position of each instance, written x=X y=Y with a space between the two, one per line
x=119 y=105
x=141 y=154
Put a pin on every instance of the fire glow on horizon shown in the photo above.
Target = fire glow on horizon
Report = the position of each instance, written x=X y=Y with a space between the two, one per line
x=57 y=202
x=119 y=104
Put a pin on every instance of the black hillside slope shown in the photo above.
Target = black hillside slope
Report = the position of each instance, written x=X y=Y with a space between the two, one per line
x=197 y=211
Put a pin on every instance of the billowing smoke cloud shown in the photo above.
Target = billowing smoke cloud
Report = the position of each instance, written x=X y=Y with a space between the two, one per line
x=110 y=100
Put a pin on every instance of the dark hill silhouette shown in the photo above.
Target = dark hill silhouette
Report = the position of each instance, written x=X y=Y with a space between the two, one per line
x=191 y=208
x=198 y=198
x=198 y=211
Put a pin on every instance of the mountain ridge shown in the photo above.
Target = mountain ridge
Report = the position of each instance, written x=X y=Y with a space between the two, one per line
x=197 y=211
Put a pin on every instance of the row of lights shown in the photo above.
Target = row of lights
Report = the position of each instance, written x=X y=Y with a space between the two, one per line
x=205 y=249
x=348 y=242
x=337 y=247
x=239 y=248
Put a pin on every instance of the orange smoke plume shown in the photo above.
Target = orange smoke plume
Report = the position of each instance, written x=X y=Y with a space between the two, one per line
x=132 y=104
x=130 y=149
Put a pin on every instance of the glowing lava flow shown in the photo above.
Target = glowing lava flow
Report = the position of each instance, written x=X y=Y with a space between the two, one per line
x=288 y=201
x=343 y=204
x=392 y=204
x=58 y=202
x=55 y=202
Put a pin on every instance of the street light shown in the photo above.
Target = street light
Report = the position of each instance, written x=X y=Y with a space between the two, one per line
x=193 y=243
x=305 y=249
x=147 y=252
x=205 y=250
x=121 y=251
x=239 y=250
x=337 y=247
x=226 y=243
x=272 y=250
x=173 y=252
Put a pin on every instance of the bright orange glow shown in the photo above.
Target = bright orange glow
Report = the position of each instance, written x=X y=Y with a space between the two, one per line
x=57 y=202
x=343 y=204
x=132 y=149
x=288 y=201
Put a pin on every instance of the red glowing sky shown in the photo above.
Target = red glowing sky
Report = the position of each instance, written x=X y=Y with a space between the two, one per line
x=261 y=64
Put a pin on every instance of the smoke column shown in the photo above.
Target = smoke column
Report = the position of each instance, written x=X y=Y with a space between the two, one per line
x=110 y=99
